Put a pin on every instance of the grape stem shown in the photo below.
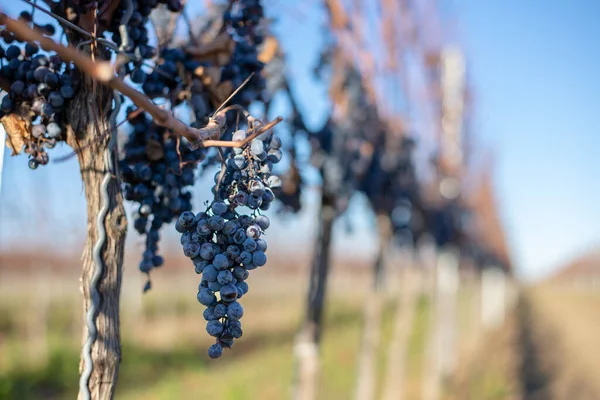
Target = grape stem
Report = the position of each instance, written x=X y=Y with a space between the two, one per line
x=103 y=72
x=242 y=143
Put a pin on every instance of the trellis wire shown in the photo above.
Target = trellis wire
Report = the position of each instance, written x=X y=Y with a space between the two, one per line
x=105 y=203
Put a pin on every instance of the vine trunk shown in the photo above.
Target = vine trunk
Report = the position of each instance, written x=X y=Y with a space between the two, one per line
x=88 y=122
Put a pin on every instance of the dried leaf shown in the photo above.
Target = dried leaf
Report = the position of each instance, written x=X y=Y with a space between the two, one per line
x=154 y=150
x=17 y=131
x=223 y=58
x=269 y=50
x=223 y=90
x=211 y=76
x=222 y=43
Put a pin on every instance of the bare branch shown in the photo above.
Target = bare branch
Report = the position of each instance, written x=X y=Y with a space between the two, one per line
x=221 y=43
x=242 y=143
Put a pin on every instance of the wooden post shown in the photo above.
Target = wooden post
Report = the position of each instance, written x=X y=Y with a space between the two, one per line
x=367 y=366
x=306 y=348
x=493 y=298
x=88 y=118
x=410 y=287
x=441 y=347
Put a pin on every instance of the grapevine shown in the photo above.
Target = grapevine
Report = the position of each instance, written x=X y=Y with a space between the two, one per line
x=156 y=170
x=41 y=88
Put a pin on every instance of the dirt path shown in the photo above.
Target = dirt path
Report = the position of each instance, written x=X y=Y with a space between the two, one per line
x=548 y=349
x=566 y=331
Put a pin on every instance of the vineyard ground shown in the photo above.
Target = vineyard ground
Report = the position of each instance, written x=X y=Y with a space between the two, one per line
x=164 y=342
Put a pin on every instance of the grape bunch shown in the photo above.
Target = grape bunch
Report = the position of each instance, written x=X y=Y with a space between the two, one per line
x=156 y=169
x=243 y=21
x=136 y=26
x=223 y=244
x=41 y=87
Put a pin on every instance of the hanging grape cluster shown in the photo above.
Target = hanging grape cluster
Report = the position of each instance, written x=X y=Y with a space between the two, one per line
x=225 y=242
x=243 y=20
x=136 y=38
x=41 y=87
x=156 y=169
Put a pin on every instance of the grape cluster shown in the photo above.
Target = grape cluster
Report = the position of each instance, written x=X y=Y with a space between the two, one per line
x=243 y=21
x=40 y=91
x=225 y=245
x=136 y=25
x=165 y=78
x=156 y=169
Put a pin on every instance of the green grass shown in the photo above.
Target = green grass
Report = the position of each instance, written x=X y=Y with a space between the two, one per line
x=260 y=366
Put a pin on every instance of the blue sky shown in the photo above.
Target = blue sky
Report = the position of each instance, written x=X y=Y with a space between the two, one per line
x=534 y=69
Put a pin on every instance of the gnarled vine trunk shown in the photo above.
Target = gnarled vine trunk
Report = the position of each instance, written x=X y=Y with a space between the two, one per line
x=306 y=351
x=88 y=118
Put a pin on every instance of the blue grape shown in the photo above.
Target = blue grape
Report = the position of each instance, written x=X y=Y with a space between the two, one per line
x=145 y=266
x=207 y=251
x=233 y=252
x=228 y=292
x=186 y=220
x=216 y=223
x=220 y=310
x=221 y=262
x=229 y=228
x=254 y=201
x=215 y=350
x=236 y=330
x=235 y=310
x=209 y=314
x=210 y=273
x=219 y=208
x=191 y=249
x=200 y=265
x=225 y=277
x=243 y=286
x=262 y=221
x=245 y=257
x=239 y=236
x=259 y=258
x=202 y=228
x=261 y=245
x=157 y=260
x=249 y=245
x=214 y=328
x=275 y=143
x=206 y=297
x=240 y=273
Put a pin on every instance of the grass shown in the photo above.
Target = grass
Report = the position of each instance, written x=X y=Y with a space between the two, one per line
x=164 y=349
